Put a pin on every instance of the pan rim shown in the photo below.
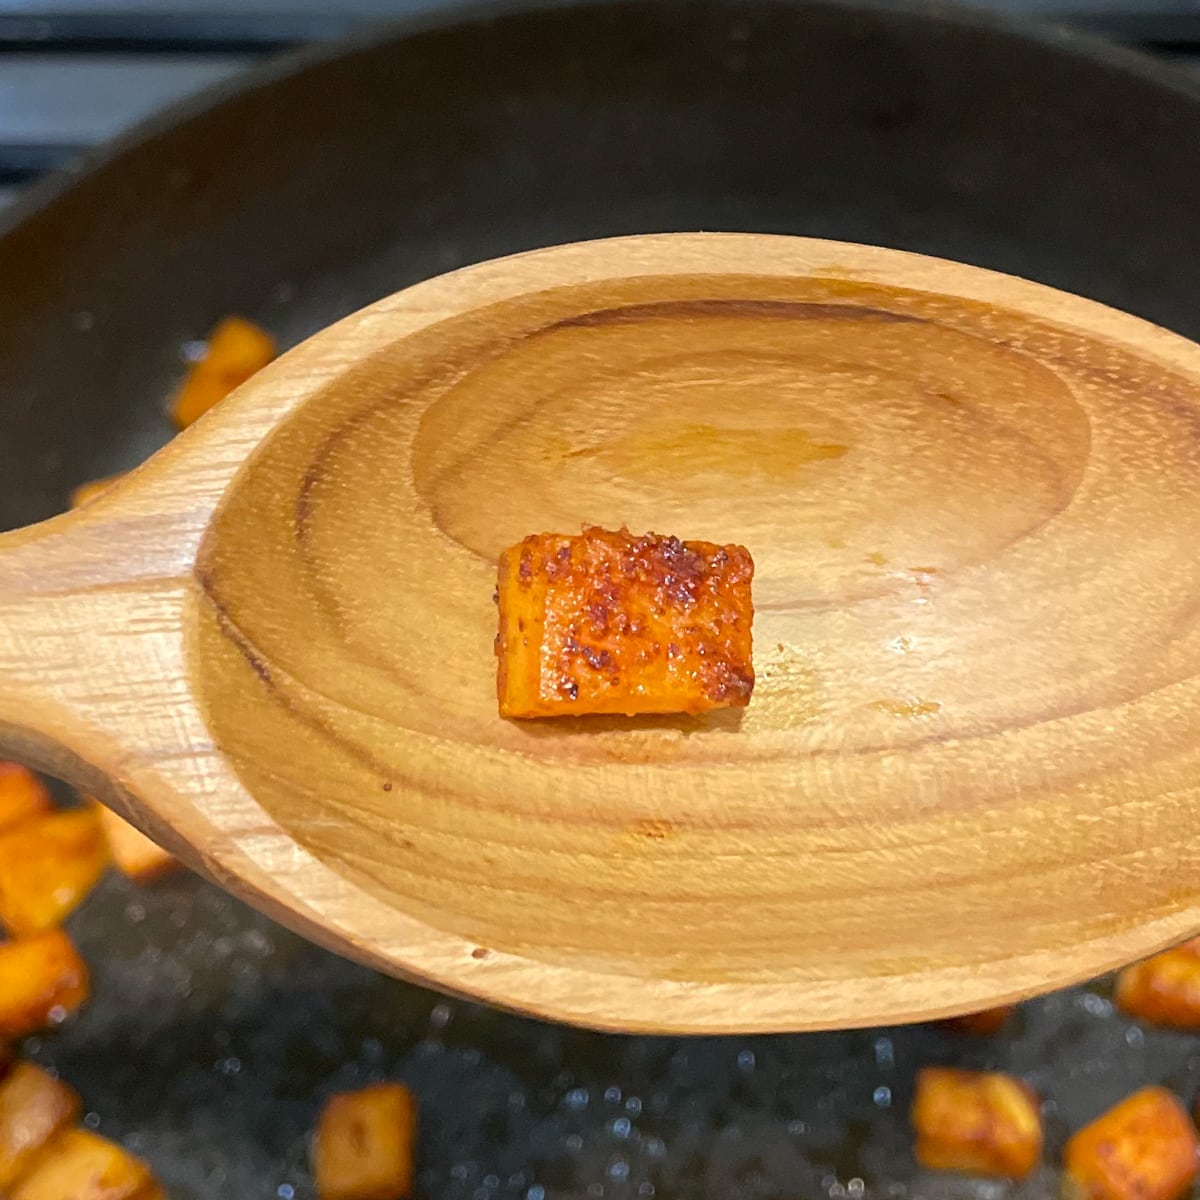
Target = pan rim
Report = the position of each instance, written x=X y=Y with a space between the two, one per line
x=1080 y=45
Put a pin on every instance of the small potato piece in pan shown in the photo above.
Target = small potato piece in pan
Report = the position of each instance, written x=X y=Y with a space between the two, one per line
x=236 y=349
x=1163 y=989
x=1144 y=1148
x=364 y=1145
x=88 y=491
x=22 y=795
x=979 y=1122
x=133 y=853
x=41 y=978
x=81 y=1165
x=606 y=622
x=47 y=866
x=34 y=1106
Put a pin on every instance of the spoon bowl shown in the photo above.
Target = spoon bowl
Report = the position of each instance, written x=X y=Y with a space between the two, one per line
x=970 y=770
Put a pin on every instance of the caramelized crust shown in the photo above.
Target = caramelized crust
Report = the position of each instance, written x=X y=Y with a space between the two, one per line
x=1164 y=989
x=607 y=622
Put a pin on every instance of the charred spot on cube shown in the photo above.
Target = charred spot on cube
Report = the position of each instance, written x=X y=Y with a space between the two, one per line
x=598 y=615
x=560 y=562
x=730 y=683
x=598 y=660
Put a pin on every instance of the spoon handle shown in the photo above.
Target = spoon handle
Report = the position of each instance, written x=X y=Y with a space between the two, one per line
x=91 y=646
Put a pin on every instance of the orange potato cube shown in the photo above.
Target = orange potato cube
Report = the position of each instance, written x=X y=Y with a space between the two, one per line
x=81 y=1165
x=1164 y=989
x=1144 y=1148
x=34 y=1106
x=982 y=1023
x=363 y=1149
x=22 y=794
x=236 y=349
x=136 y=855
x=980 y=1122
x=47 y=866
x=611 y=623
x=37 y=976
x=91 y=489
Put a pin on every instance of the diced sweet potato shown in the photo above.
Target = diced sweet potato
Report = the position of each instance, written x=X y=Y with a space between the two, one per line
x=1164 y=989
x=982 y=1023
x=611 y=623
x=22 y=794
x=980 y=1122
x=38 y=976
x=363 y=1149
x=1145 y=1148
x=236 y=349
x=47 y=866
x=132 y=851
x=81 y=1165
x=91 y=489
x=34 y=1106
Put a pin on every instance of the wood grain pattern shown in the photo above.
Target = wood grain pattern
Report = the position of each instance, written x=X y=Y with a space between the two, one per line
x=971 y=766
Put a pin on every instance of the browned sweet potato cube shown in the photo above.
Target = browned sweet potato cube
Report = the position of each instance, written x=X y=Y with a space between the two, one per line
x=22 y=794
x=364 y=1145
x=611 y=623
x=81 y=1165
x=34 y=1106
x=1164 y=989
x=47 y=866
x=132 y=851
x=981 y=1122
x=39 y=977
x=236 y=349
x=985 y=1021
x=1145 y=1148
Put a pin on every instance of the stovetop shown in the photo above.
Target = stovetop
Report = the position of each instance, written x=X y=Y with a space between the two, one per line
x=76 y=72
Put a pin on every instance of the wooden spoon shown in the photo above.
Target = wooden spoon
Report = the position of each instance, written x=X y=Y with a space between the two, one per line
x=971 y=768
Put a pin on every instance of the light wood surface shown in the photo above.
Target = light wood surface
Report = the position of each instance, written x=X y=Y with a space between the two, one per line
x=971 y=766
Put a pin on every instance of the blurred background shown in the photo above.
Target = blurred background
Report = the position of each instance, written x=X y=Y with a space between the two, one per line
x=74 y=72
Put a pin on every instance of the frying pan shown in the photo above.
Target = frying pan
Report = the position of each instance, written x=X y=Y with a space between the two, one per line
x=332 y=178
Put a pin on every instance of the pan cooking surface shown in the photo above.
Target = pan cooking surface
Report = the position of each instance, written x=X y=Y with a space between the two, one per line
x=212 y=1035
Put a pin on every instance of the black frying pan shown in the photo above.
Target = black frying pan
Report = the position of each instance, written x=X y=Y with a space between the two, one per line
x=335 y=178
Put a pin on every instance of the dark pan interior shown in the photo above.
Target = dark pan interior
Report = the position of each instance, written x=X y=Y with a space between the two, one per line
x=213 y=1035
